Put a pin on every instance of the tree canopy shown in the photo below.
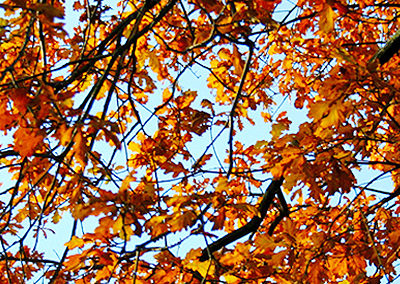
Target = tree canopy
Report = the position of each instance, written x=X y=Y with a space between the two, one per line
x=200 y=141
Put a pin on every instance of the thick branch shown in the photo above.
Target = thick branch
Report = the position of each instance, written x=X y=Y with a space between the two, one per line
x=250 y=227
x=32 y=260
x=284 y=212
x=393 y=195
x=390 y=49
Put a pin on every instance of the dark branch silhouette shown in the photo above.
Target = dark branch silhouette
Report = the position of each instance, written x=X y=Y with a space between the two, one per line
x=250 y=227
x=390 y=49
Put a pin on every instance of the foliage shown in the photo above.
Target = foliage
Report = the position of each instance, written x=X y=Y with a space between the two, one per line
x=156 y=127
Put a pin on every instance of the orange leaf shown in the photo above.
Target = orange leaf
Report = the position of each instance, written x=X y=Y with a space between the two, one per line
x=181 y=221
x=237 y=61
x=103 y=273
x=80 y=148
x=48 y=10
x=27 y=140
x=65 y=134
x=265 y=243
x=326 y=23
x=75 y=242
x=20 y=99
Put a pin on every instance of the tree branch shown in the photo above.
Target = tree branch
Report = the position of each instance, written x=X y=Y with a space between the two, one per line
x=390 y=48
x=250 y=227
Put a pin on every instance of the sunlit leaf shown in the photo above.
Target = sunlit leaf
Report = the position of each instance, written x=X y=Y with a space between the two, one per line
x=326 y=22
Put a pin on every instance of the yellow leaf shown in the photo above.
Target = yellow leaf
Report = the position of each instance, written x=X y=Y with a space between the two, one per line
x=222 y=184
x=290 y=230
x=277 y=258
x=343 y=54
x=204 y=268
x=65 y=134
x=86 y=82
x=156 y=225
x=117 y=226
x=274 y=49
x=283 y=280
x=141 y=58
x=333 y=117
x=126 y=233
x=277 y=129
x=56 y=217
x=241 y=253
x=75 y=242
x=326 y=19
x=223 y=54
x=135 y=147
x=231 y=279
x=3 y=23
x=75 y=261
x=126 y=183
x=105 y=223
x=68 y=103
x=166 y=95
x=154 y=62
x=102 y=274
x=265 y=243
x=237 y=61
x=338 y=266
x=224 y=24
x=247 y=208
x=79 y=212
x=181 y=221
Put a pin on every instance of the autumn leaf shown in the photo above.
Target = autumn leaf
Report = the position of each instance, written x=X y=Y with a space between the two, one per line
x=266 y=243
x=21 y=100
x=246 y=208
x=48 y=10
x=181 y=221
x=230 y=279
x=157 y=225
x=207 y=104
x=237 y=61
x=326 y=22
x=204 y=268
x=75 y=242
x=80 y=148
x=27 y=141
x=65 y=134
x=56 y=217
x=277 y=129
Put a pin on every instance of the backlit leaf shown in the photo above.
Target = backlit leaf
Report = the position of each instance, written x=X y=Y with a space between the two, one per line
x=326 y=22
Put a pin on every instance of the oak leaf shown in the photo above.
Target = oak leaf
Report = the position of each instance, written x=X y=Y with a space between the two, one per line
x=237 y=61
x=27 y=141
x=75 y=242
x=326 y=22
